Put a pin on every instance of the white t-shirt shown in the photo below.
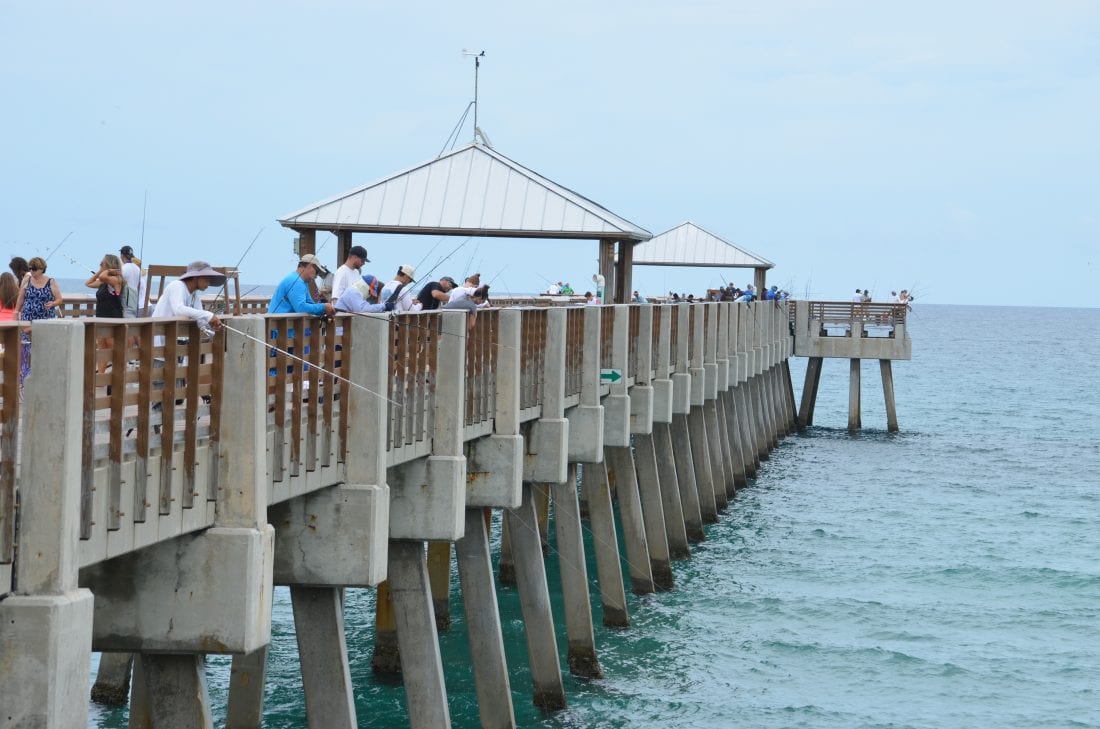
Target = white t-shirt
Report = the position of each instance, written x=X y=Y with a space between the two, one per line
x=345 y=278
x=461 y=292
x=405 y=301
x=178 y=301
x=131 y=274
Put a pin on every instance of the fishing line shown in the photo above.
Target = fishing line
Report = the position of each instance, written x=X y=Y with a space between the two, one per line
x=236 y=267
x=317 y=367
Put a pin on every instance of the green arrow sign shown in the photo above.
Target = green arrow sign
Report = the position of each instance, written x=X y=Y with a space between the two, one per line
x=611 y=375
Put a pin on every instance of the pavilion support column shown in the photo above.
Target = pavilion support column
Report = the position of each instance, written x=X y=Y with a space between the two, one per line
x=307 y=242
x=343 y=245
x=623 y=272
x=607 y=269
x=759 y=279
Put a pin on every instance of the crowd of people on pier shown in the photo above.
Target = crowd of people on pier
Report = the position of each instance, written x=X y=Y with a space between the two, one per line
x=313 y=289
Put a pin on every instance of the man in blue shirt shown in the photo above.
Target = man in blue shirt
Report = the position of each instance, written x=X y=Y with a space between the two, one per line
x=292 y=294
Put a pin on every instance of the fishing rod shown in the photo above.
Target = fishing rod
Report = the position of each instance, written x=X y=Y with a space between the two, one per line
x=441 y=261
x=141 y=247
x=225 y=284
x=472 y=256
x=58 y=246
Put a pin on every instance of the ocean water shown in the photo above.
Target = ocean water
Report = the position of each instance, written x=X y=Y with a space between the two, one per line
x=944 y=576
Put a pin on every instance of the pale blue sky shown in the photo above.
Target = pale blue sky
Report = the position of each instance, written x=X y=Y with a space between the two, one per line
x=946 y=147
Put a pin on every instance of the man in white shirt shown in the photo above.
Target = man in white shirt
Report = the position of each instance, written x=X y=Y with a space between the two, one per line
x=131 y=274
x=348 y=274
x=399 y=292
x=555 y=289
x=466 y=289
x=181 y=297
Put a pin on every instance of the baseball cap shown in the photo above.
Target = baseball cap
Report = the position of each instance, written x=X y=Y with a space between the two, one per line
x=126 y=250
x=359 y=251
x=448 y=279
x=315 y=262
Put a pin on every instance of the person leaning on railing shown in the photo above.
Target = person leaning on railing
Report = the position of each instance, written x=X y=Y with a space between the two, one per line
x=182 y=296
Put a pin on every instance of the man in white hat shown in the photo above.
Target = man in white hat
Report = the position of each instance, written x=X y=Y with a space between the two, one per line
x=181 y=297
x=397 y=294
x=292 y=294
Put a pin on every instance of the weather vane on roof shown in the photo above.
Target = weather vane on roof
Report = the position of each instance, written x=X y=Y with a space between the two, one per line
x=477 y=56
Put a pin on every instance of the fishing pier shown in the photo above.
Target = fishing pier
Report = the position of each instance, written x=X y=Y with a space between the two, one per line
x=155 y=486
x=156 y=523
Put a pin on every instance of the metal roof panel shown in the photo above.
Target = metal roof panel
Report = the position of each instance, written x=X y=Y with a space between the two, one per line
x=473 y=189
x=689 y=245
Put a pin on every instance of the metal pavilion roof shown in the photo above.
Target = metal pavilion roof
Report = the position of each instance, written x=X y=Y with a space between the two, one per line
x=689 y=245
x=474 y=190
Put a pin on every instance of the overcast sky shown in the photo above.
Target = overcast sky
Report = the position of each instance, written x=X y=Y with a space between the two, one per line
x=946 y=147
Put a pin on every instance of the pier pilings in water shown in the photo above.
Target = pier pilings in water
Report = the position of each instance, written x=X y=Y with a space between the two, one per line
x=655 y=417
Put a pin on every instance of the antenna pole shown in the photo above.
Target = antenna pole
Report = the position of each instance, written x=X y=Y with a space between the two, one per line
x=477 y=68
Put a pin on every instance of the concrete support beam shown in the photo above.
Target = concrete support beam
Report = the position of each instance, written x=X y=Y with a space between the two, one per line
x=428 y=495
x=888 y=395
x=421 y=663
x=386 y=658
x=685 y=478
x=323 y=654
x=700 y=458
x=854 y=420
x=586 y=420
x=809 y=391
x=46 y=625
x=579 y=632
x=246 y=690
x=534 y=596
x=649 y=486
x=169 y=692
x=617 y=403
x=624 y=482
x=547 y=444
x=726 y=421
x=675 y=528
x=479 y=600
x=719 y=468
x=112 y=679
x=601 y=520
x=494 y=472
x=439 y=579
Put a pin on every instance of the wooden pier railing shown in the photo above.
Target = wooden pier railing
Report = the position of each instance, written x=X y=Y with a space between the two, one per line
x=153 y=407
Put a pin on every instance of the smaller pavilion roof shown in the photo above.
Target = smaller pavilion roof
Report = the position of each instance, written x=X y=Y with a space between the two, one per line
x=473 y=191
x=689 y=245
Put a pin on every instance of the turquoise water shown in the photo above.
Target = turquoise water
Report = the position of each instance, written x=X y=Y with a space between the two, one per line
x=945 y=576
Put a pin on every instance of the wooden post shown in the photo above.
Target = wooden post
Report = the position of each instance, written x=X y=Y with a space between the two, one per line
x=607 y=269
x=307 y=242
x=343 y=245
x=888 y=393
x=623 y=274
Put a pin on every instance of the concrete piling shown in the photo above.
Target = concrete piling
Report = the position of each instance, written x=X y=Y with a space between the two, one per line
x=888 y=395
x=581 y=657
x=675 y=524
x=439 y=577
x=112 y=679
x=645 y=462
x=534 y=597
x=479 y=600
x=605 y=541
x=624 y=481
x=421 y=662
x=855 y=422
x=323 y=653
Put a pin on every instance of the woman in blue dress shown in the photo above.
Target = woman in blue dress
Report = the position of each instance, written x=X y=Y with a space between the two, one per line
x=38 y=298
